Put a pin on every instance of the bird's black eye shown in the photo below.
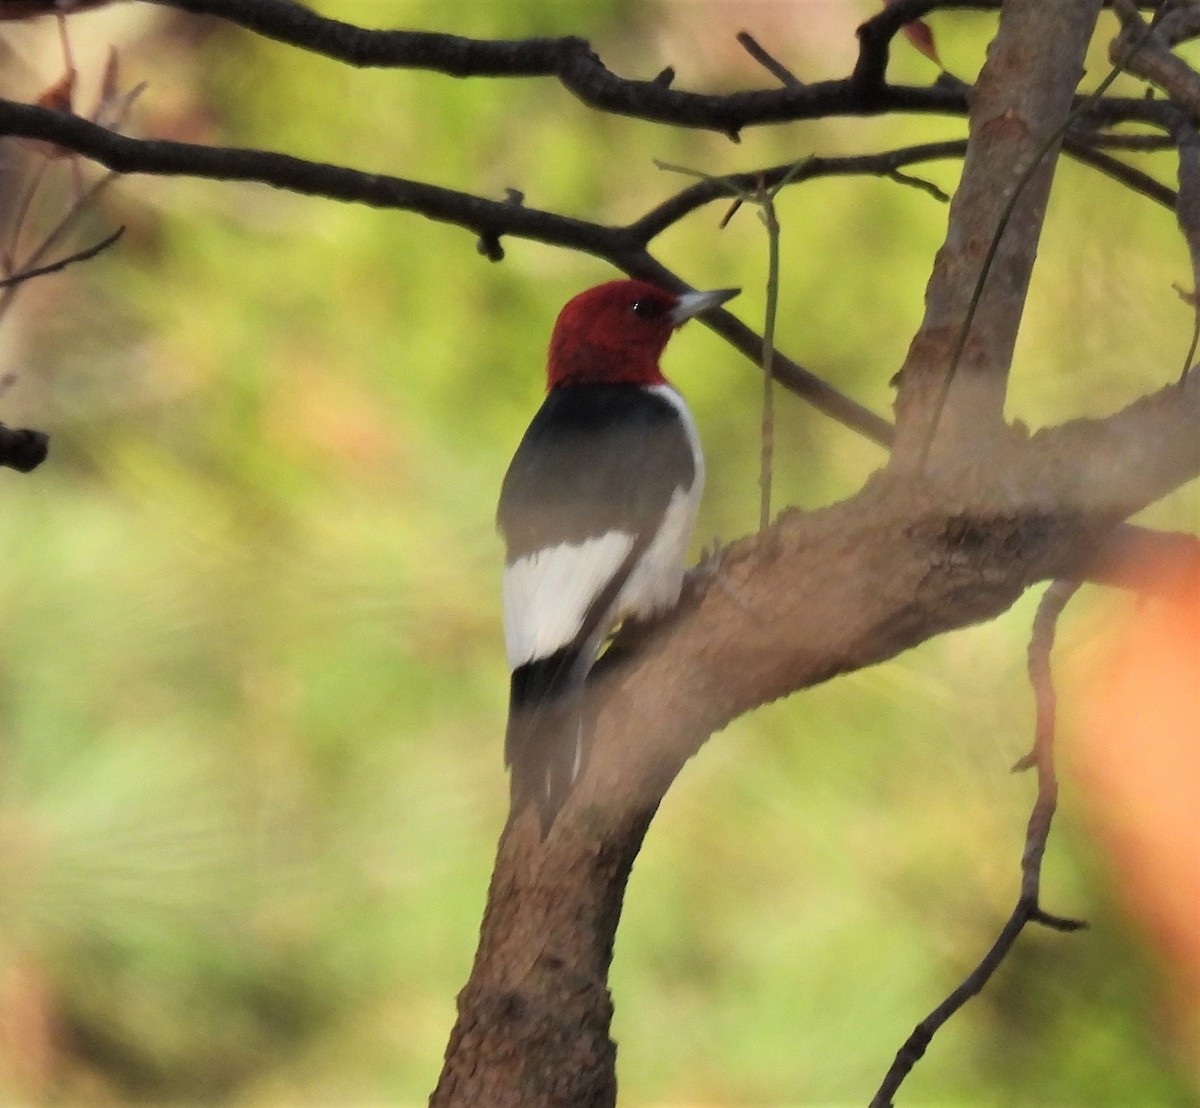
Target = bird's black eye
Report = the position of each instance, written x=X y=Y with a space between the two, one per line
x=646 y=309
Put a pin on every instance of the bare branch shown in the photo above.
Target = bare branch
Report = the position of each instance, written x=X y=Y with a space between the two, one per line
x=1028 y=909
x=578 y=69
x=772 y=65
x=1180 y=24
x=1041 y=678
x=1153 y=59
x=575 y=65
x=21 y=212
x=69 y=219
x=816 y=594
x=919 y=183
x=623 y=247
x=884 y=164
x=1129 y=176
x=62 y=263
x=875 y=36
x=800 y=381
x=1143 y=142
x=766 y=202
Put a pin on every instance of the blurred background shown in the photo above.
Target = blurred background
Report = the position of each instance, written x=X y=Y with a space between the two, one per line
x=252 y=685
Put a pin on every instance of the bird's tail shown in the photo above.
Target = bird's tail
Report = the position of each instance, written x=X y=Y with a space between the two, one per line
x=545 y=746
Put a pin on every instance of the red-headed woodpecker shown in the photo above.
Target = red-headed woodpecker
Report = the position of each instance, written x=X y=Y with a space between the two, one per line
x=596 y=510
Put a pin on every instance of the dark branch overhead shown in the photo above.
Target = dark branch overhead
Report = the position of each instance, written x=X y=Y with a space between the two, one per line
x=576 y=65
x=573 y=62
x=624 y=247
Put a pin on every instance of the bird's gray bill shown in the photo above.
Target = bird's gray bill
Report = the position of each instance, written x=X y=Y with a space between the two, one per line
x=694 y=303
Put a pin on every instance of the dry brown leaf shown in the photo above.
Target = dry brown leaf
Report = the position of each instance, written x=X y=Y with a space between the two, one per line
x=919 y=34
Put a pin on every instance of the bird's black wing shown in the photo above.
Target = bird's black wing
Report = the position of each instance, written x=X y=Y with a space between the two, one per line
x=596 y=458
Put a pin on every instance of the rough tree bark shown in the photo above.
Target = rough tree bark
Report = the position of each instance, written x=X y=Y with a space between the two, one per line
x=1018 y=106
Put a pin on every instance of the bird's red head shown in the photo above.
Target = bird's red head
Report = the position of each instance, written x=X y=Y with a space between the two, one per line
x=615 y=333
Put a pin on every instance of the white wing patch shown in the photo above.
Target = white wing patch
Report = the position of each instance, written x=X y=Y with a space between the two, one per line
x=547 y=593
x=657 y=579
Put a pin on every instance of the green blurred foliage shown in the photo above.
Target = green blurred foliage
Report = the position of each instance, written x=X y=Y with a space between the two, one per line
x=252 y=690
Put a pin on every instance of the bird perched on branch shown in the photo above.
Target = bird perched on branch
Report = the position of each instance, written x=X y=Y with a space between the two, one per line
x=595 y=510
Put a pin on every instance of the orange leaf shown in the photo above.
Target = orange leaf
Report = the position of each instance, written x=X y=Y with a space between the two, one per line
x=58 y=97
x=918 y=33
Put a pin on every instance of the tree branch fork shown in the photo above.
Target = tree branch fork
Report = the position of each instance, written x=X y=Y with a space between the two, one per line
x=816 y=595
x=834 y=590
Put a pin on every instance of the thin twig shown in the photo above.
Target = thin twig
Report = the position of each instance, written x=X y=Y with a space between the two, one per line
x=1125 y=174
x=1028 y=908
x=920 y=183
x=1143 y=141
x=709 y=187
x=767 y=448
x=772 y=65
x=22 y=211
x=794 y=377
x=1157 y=64
x=62 y=263
x=1041 y=756
x=1189 y=359
x=1041 y=676
x=72 y=216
